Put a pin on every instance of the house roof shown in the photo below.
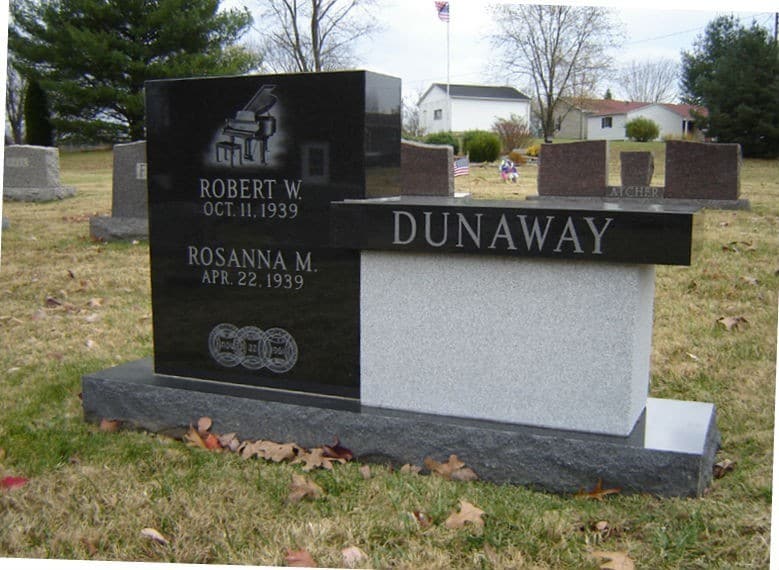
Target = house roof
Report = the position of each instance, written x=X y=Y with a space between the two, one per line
x=601 y=107
x=479 y=92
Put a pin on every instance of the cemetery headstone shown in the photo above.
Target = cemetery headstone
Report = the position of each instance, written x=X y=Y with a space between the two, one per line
x=32 y=174
x=129 y=210
x=702 y=170
x=245 y=285
x=426 y=169
x=696 y=174
x=573 y=169
x=292 y=299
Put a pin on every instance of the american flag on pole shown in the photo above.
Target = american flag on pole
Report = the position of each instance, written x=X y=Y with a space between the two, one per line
x=443 y=11
x=462 y=166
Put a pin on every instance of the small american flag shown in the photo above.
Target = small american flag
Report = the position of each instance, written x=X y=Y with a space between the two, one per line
x=443 y=11
x=462 y=166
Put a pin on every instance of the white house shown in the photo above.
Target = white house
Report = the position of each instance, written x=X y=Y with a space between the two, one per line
x=469 y=107
x=606 y=119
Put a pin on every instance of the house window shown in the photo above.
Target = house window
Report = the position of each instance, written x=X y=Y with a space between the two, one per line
x=605 y=123
x=438 y=114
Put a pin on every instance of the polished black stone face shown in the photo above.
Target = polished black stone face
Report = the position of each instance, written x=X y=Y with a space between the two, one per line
x=557 y=230
x=246 y=287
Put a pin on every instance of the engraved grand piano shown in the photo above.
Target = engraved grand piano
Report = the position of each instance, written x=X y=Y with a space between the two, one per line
x=253 y=126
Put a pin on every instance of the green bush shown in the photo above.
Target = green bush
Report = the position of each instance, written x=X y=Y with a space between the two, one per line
x=481 y=146
x=443 y=138
x=642 y=129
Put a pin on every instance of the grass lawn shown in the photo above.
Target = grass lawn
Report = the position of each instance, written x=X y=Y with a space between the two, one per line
x=71 y=306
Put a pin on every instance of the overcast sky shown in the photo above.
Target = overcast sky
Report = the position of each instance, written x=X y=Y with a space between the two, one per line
x=412 y=44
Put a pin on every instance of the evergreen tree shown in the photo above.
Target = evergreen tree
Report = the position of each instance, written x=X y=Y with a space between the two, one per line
x=93 y=56
x=608 y=96
x=733 y=71
x=38 y=129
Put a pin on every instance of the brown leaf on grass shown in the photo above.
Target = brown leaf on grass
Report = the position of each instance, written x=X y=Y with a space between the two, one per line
x=212 y=442
x=95 y=302
x=750 y=280
x=154 y=535
x=51 y=302
x=337 y=451
x=278 y=452
x=353 y=556
x=193 y=439
x=423 y=519
x=302 y=487
x=614 y=560
x=723 y=467
x=365 y=471
x=453 y=469
x=731 y=323
x=203 y=425
x=109 y=426
x=90 y=344
x=314 y=458
x=90 y=546
x=410 y=469
x=299 y=559
x=598 y=492
x=71 y=274
x=230 y=441
x=468 y=514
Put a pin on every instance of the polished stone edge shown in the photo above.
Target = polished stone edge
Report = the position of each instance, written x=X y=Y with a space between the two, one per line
x=740 y=204
x=106 y=228
x=549 y=460
x=38 y=194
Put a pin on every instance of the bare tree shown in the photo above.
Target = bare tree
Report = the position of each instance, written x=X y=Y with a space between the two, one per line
x=15 y=89
x=314 y=35
x=412 y=121
x=650 y=81
x=562 y=50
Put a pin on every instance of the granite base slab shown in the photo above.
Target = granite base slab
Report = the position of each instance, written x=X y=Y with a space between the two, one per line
x=38 y=194
x=670 y=453
x=107 y=228
x=740 y=204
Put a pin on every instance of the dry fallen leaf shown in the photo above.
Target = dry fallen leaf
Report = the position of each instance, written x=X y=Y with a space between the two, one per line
x=423 y=519
x=723 y=467
x=109 y=426
x=90 y=546
x=750 y=280
x=193 y=439
x=299 y=559
x=468 y=514
x=11 y=482
x=95 y=302
x=312 y=459
x=90 y=343
x=212 y=442
x=337 y=451
x=352 y=556
x=155 y=535
x=51 y=302
x=731 y=323
x=302 y=487
x=615 y=560
x=230 y=441
x=453 y=469
x=203 y=425
x=598 y=492
x=412 y=469
x=278 y=452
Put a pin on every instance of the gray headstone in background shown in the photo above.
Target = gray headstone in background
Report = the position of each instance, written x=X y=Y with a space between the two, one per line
x=129 y=208
x=573 y=169
x=130 y=192
x=706 y=171
x=426 y=169
x=32 y=174
x=636 y=168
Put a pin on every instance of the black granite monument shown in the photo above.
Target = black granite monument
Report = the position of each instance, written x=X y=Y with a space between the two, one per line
x=246 y=287
x=277 y=231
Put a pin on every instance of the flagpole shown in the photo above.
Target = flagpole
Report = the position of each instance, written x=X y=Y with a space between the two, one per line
x=448 y=99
